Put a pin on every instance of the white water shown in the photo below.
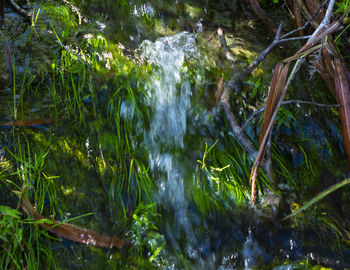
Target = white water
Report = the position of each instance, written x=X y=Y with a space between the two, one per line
x=169 y=96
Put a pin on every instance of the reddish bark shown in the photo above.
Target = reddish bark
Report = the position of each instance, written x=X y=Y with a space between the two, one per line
x=30 y=123
x=72 y=232
x=343 y=97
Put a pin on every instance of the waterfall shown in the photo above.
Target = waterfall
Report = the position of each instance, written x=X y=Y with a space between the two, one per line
x=169 y=94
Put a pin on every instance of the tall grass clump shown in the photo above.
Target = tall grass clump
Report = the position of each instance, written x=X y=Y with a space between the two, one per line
x=23 y=243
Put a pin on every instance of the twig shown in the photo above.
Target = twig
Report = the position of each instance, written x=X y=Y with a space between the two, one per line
x=262 y=56
x=294 y=38
x=279 y=39
x=224 y=46
x=307 y=23
x=241 y=138
x=19 y=9
x=326 y=18
x=259 y=111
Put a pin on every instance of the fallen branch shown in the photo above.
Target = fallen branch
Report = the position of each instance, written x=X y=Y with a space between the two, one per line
x=280 y=39
x=325 y=20
x=307 y=23
x=262 y=56
x=29 y=123
x=322 y=31
x=224 y=46
x=70 y=231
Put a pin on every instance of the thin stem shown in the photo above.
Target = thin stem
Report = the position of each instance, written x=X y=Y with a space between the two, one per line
x=307 y=23
x=259 y=111
x=262 y=56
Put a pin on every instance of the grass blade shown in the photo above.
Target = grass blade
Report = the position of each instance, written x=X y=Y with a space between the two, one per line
x=319 y=197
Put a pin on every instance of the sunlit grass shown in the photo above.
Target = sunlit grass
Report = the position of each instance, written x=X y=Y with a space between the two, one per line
x=23 y=241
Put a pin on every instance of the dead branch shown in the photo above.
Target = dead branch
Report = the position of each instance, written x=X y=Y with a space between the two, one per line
x=241 y=137
x=326 y=18
x=236 y=78
x=224 y=46
x=70 y=231
x=225 y=100
x=279 y=39
x=262 y=56
x=307 y=23
x=20 y=10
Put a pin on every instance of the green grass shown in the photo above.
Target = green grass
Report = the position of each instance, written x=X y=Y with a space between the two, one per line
x=24 y=244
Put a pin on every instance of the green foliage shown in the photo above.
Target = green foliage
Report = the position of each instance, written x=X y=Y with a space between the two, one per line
x=285 y=118
x=226 y=176
x=343 y=7
x=144 y=233
x=22 y=242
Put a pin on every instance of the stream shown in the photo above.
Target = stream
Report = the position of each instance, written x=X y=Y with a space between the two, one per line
x=142 y=146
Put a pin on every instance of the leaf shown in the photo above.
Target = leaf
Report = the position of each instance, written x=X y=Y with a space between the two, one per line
x=273 y=97
x=273 y=102
x=156 y=252
x=8 y=211
x=256 y=87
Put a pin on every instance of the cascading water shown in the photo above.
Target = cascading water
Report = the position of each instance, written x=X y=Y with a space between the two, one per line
x=169 y=94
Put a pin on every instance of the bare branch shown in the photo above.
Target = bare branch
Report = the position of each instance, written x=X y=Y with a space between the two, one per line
x=241 y=138
x=278 y=39
x=19 y=9
x=224 y=46
x=262 y=56
x=307 y=23
x=326 y=18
